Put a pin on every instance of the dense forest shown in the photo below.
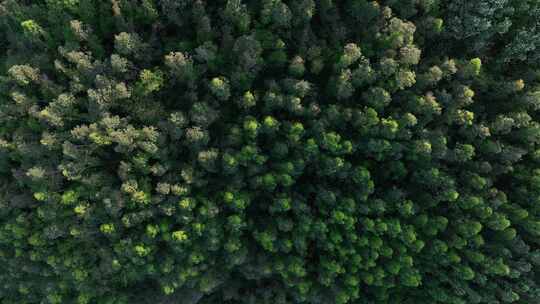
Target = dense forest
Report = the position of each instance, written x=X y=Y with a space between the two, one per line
x=269 y=151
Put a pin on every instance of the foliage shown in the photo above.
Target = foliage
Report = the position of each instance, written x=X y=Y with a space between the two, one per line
x=275 y=151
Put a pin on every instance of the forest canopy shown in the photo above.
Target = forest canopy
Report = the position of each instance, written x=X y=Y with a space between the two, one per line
x=269 y=151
